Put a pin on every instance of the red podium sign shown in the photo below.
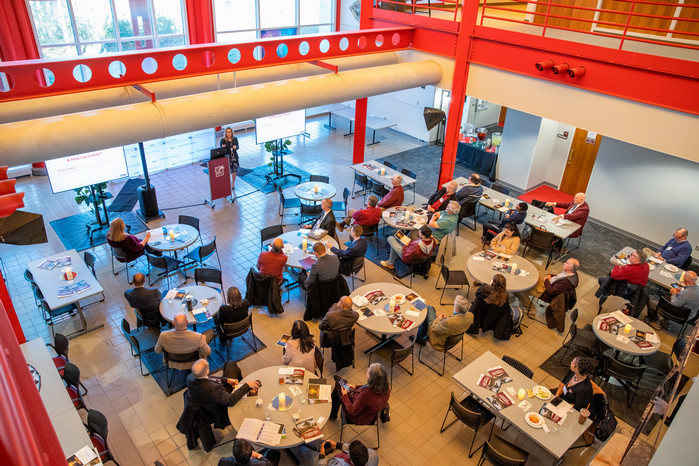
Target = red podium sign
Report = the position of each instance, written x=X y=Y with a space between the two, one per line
x=219 y=178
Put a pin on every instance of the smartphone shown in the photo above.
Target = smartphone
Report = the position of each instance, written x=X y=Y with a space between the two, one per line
x=676 y=286
x=556 y=401
x=344 y=384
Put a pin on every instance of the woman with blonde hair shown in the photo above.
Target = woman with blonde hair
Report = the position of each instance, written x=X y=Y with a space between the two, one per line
x=131 y=245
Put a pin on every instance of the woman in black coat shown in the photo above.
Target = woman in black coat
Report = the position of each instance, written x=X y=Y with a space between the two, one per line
x=235 y=311
x=230 y=142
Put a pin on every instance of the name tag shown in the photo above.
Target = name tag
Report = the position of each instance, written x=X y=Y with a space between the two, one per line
x=565 y=390
x=668 y=248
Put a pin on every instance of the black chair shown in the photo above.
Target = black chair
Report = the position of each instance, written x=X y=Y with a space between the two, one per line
x=451 y=342
x=369 y=231
x=519 y=366
x=322 y=294
x=473 y=414
x=71 y=377
x=411 y=187
x=239 y=329
x=284 y=203
x=61 y=345
x=362 y=181
x=583 y=339
x=660 y=362
x=395 y=353
x=28 y=276
x=53 y=316
x=310 y=211
x=390 y=165
x=685 y=265
x=500 y=188
x=500 y=452
x=320 y=179
x=141 y=342
x=452 y=278
x=419 y=265
x=540 y=239
x=319 y=361
x=98 y=429
x=327 y=340
x=629 y=376
x=90 y=262
x=120 y=256
x=269 y=233
x=357 y=265
x=204 y=275
x=342 y=205
x=674 y=313
x=468 y=210
x=375 y=422
x=378 y=188
x=264 y=290
x=184 y=358
x=199 y=254
x=168 y=265
x=192 y=222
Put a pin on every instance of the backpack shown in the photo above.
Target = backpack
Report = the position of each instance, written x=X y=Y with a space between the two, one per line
x=607 y=424
x=517 y=316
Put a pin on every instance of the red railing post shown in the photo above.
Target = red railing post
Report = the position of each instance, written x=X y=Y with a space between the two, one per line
x=626 y=26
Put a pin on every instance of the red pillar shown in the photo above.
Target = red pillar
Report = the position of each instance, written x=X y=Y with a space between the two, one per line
x=458 y=92
x=200 y=21
x=10 y=310
x=359 y=130
x=16 y=35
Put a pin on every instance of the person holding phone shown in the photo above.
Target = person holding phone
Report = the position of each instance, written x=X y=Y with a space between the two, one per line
x=362 y=404
x=576 y=387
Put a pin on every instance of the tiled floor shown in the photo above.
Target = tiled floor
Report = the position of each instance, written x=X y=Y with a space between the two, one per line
x=142 y=420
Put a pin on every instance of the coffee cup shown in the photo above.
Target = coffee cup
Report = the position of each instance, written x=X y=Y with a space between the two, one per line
x=584 y=414
x=259 y=402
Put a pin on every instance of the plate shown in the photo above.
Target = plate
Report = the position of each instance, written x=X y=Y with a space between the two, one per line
x=399 y=298
x=671 y=268
x=360 y=301
x=289 y=403
x=535 y=420
x=541 y=392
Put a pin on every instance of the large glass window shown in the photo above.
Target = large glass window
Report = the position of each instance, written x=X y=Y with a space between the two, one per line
x=66 y=28
x=247 y=20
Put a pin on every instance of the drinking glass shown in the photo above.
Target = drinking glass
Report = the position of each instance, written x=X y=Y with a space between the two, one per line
x=268 y=413
x=303 y=398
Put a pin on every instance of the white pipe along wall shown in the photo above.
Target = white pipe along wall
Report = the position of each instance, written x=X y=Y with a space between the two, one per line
x=73 y=103
x=60 y=136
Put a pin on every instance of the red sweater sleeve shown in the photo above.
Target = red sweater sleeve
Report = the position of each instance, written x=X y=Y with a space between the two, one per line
x=131 y=243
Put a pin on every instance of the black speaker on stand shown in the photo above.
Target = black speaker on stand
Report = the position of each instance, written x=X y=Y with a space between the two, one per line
x=147 y=200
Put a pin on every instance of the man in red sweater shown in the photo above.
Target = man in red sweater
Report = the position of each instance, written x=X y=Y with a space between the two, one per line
x=369 y=216
x=273 y=262
x=635 y=272
x=422 y=248
x=394 y=198
x=576 y=211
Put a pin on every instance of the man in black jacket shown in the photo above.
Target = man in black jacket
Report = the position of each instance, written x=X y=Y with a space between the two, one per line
x=440 y=199
x=356 y=249
x=326 y=220
x=146 y=300
x=213 y=393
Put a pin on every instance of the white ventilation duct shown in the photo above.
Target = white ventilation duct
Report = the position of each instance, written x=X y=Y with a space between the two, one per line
x=53 y=137
x=93 y=100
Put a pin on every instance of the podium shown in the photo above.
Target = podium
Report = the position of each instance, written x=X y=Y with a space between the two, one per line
x=219 y=179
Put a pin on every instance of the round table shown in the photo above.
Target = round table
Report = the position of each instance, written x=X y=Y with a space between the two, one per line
x=170 y=309
x=381 y=325
x=269 y=376
x=295 y=238
x=185 y=236
x=482 y=270
x=307 y=192
x=392 y=214
x=628 y=347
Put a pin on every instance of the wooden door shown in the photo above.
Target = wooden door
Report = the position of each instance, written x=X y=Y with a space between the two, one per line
x=581 y=159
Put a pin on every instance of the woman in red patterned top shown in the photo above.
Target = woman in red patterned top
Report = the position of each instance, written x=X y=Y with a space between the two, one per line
x=362 y=404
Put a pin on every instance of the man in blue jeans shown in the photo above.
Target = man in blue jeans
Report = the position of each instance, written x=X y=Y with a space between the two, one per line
x=440 y=327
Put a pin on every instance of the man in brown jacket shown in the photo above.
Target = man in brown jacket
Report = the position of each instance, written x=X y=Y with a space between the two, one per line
x=180 y=340
x=442 y=327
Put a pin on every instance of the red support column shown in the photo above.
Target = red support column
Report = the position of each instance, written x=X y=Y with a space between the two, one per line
x=200 y=21
x=16 y=35
x=359 y=130
x=10 y=310
x=458 y=92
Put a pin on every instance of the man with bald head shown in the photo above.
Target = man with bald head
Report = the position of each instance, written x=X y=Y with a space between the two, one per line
x=181 y=340
x=576 y=212
x=272 y=262
x=326 y=220
x=685 y=296
x=335 y=332
x=556 y=284
x=216 y=393
x=395 y=196
x=339 y=317
x=472 y=191
x=440 y=199
x=146 y=301
x=676 y=251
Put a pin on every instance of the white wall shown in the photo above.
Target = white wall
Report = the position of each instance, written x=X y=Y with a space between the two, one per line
x=644 y=192
x=347 y=21
x=404 y=108
x=519 y=138
x=542 y=152
x=559 y=154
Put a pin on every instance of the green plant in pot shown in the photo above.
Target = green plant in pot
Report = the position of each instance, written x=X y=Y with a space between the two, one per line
x=82 y=195
x=272 y=147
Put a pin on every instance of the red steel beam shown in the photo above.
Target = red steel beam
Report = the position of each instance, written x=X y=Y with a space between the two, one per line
x=326 y=65
x=649 y=79
x=200 y=60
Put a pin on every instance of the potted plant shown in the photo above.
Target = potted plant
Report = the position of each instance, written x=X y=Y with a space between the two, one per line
x=82 y=195
x=274 y=148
